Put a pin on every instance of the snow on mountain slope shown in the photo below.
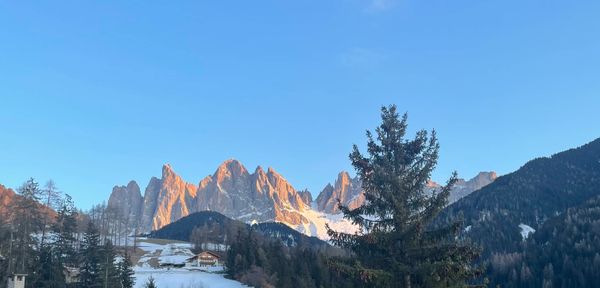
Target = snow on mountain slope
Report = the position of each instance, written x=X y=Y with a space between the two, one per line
x=316 y=225
x=526 y=230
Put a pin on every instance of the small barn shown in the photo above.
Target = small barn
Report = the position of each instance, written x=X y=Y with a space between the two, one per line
x=204 y=259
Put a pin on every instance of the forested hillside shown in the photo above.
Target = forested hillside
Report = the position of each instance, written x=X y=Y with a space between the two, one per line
x=541 y=189
x=214 y=227
x=564 y=252
x=261 y=255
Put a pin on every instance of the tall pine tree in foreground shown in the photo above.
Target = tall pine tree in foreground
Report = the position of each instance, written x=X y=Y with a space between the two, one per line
x=108 y=269
x=49 y=272
x=396 y=245
x=90 y=272
x=65 y=229
x=126 y=272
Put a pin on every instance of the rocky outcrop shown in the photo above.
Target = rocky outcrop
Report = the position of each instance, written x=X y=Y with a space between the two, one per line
x=346 y=189
x=463 y=188
x=306 y=197
x=174 y=198
x=8 y=200
x=128 y=201
x=7 y=196
x=150 y=203
x=349 y=191
x=230 y=190
x=258 y=196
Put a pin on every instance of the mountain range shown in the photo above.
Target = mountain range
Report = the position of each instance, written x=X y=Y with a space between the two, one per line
x=261 y=196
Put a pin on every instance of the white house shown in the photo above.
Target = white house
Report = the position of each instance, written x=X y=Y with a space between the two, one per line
x=16 y=281
x=204 y=259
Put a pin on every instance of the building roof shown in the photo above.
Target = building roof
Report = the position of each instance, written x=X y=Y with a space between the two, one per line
x=205 y=252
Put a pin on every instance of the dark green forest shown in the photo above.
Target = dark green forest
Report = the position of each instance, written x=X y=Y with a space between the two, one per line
x=541 y=194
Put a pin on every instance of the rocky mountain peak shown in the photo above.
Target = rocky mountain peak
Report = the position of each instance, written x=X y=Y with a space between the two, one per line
x=230 y=169
x=349 y=190
x=133 y=186
x=167 y=171
x=306 y=197
x=259 y=169
x=271 y=171
x=233 y=191
x=127 y=200
x=346 y=189
x=343 y=180
x=484 y=178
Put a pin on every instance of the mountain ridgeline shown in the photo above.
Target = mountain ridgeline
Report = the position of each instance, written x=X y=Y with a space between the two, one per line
x=261 y=196
x=231 y=190
x=349 y=191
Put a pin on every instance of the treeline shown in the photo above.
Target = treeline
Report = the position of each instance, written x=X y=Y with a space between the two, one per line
x=113 y=224
x=261 y=261
x=41 y=236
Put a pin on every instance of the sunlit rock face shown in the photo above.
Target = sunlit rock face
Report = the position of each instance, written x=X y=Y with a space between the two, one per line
x=128 y=201
x=258 y=196
x=166 y=200
x=174 y=199
x=7 y=196
x=346 y=189
x=306 y=197
x=231 y=190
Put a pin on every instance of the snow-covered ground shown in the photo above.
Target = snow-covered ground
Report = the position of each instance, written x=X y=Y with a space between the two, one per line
x=526 y=230
x=316 y=226
x=159 y=251
x=467 y=229
x=181 y=278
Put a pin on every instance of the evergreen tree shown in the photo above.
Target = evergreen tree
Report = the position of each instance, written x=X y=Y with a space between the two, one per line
x=126 y=273
x=396 y=245
x=49 y=272
x=109 y=271
x=150 y=283
x=90 y=271
x=65 y=229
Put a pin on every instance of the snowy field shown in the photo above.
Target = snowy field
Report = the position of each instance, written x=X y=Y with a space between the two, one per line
x=159 y=251
x=181 y=278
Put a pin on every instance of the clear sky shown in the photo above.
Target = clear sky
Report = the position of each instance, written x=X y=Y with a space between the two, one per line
x=95 y=93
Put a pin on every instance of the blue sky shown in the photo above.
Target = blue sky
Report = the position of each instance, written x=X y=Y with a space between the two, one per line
x=95 y=94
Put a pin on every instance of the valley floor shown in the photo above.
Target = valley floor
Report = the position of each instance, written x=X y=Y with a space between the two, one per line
x=182 y=278
x=154 y=252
